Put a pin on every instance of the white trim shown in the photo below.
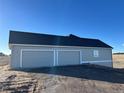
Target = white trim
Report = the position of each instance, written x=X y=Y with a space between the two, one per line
x=96 y=53
x=55 y=55
x=21 y=59
x=35 y=50
x=57 y=58
x=81 y=57
x=10 y=45
x=54 y=58
x=67 y=50
x=97 y=61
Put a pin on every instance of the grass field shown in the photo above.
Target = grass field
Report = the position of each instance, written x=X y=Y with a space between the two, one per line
x=118 y=61
x=4 y=60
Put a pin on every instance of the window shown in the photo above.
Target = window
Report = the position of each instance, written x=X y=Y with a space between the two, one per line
x=96 y=53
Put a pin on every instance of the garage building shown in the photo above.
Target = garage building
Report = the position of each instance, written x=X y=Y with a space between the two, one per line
x=33 y=50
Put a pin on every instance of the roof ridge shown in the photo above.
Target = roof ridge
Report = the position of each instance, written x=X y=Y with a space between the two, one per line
x=38 y=33
x=89 y=38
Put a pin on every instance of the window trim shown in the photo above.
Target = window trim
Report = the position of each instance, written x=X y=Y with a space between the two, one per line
x=96 y=53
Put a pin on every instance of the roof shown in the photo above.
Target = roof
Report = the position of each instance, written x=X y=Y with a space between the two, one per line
x=17 y=37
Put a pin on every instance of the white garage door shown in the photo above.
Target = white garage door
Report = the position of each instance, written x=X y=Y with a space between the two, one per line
x=38 y=58
x=68 y=57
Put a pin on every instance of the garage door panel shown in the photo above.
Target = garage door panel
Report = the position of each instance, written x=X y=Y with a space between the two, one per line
x=37 y=58
x=68 y=57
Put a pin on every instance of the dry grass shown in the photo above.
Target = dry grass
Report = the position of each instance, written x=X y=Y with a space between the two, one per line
x=118 y=61
x=119 y=57
x=4 y=60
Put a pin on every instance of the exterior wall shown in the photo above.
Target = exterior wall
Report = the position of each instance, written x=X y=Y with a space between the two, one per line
x=15 y=57
x=105 y=54
x=104 y=59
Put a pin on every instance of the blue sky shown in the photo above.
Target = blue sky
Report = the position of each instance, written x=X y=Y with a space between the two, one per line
x=101 y=19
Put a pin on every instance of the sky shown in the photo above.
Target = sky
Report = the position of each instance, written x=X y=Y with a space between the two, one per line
x=100 y=19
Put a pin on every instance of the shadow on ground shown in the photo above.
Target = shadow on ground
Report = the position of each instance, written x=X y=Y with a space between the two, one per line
x=86 y=71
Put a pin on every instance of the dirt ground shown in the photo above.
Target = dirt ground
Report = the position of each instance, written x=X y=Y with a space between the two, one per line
x=71 y=79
